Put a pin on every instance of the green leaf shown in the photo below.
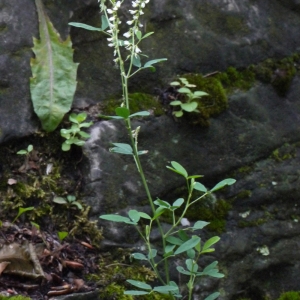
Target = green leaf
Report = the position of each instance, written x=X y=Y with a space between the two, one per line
x=213 y=296
x=153 y=254
x=122 y=112
x=62 y=235
x=134 y=215
x=138 y=34
x=29 y=148
x=176 y=102
x=147 y=34
x=21 y=211
x=181 y=270
x=159 y=211
x=178 y=203
x=122 y=148
x=200 y=225
x=37 y=226
x=165 y=289
x=200 y=187
x=84 y=26
x=136 y=61
x=65 y=147
x=169 y=250
x=189 y=244
x=154 y=61
x=189 y=107
x=22 y=152
x=210 y=242
x=87 y=124
x=139 y=256
x=60 y=200
x=210 y=266
x=79 y=206
x=140 y=114
x=200 y=94
x=135 y=293
x=81 y=117
x=182 y=234
x=175 y=83
x=104 y=21
x=139 y=284
x=174 y=240
x=214 y=273
x=144 y=215
x=115 y=218
x=178 y=168
x=178 y=114
x=184 y=90
x=221 y=184
x=53 y=82
x=191 y=265
x=84 y=134
x=162 y=203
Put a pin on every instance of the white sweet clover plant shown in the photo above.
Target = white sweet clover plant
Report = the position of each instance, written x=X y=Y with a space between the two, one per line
x=175 y=241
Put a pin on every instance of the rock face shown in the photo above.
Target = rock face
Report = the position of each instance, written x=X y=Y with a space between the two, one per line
x=254 y=141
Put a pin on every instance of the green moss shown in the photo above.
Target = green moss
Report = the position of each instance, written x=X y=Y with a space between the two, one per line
x=209 y=106
x=233 y=79
x=18 y=297
x=253 y=223
x=292 y=295
x=115 y=270
x=137 y=101
x=285 y=152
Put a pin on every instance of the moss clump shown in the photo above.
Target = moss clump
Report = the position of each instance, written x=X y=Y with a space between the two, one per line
x=292 y=295
x=211 y=105
x=285 y=152
x=18 y=297
x=115 y=270
x=279 y=73
x=137 y=101
x=233 y=79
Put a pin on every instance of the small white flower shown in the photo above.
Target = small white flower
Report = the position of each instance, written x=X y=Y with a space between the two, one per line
x=130 y=22
x=109 y=39
x=127 y=34
x=126 y=43
x=141 y=25
x=118 y=4
x=132 y=11
x=141 y=12
x=143 y=5
x=110 y=11
x=185 y=222
x=135 y=4
x=111 y=18
x=110 y=45
x=137 y=49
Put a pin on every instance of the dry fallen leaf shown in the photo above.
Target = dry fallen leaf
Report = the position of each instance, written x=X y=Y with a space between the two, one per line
x=3 y=265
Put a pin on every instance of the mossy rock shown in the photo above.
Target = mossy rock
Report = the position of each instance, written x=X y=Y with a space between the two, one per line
x=137 y=102
x=211 y=105
x=292 y=295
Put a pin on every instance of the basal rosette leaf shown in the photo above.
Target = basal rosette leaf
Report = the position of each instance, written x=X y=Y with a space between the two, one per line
x=53 y=82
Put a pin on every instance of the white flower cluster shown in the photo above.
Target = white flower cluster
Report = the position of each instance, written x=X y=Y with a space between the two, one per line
x=114 y=21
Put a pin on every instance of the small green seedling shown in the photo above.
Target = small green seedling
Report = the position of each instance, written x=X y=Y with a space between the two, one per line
x=69 y=201
x=26 y=152
x=189 y=105
x=21 y=211
x=62 y=235
x=75 y=135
